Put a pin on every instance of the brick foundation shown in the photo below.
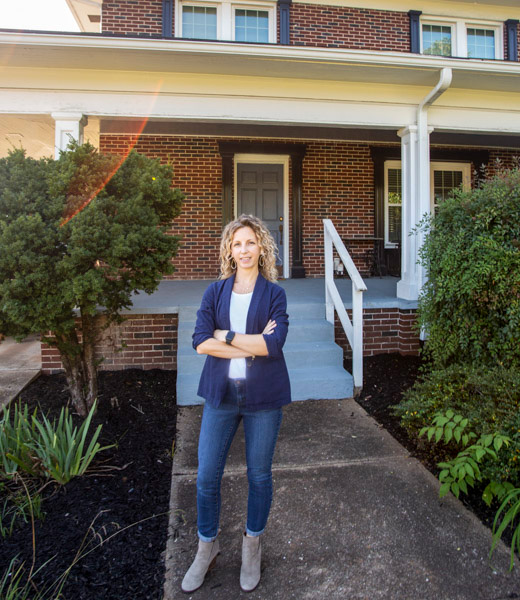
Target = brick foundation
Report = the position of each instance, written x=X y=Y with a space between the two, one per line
x=385 y=330
x=346 y=27
x=142 y=341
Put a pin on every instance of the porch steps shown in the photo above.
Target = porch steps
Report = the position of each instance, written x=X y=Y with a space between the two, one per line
x=314 y=360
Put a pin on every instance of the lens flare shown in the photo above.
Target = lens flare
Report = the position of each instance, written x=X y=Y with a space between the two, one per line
x=133 y=141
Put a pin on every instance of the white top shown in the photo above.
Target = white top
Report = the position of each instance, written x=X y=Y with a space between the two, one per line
x=238 y=309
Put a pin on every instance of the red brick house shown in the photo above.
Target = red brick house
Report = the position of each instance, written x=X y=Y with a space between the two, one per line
x=363 y=112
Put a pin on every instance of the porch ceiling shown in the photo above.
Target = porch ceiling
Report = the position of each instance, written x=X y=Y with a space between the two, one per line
x=69 y=51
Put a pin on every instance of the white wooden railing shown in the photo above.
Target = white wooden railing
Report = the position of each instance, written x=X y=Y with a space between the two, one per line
x=354 y=329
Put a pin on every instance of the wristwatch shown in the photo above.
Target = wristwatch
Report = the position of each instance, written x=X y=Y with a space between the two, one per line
x=229 y=337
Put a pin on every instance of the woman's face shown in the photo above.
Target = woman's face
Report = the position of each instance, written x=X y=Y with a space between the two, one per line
x=245 y=249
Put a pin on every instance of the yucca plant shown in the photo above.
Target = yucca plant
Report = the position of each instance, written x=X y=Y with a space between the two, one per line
x=47 y=449
x=61 y=447
x=16 y=438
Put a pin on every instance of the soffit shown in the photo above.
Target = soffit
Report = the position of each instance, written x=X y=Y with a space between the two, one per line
x=123 y=55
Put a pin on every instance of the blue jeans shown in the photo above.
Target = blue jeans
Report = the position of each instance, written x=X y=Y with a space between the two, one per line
x=217 y=430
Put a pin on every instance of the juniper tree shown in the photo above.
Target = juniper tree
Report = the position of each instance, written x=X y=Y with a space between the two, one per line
x=77 y=237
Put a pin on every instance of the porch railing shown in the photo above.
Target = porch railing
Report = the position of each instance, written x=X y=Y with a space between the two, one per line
x=353 y=329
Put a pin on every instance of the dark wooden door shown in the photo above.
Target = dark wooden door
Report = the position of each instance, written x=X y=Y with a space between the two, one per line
x=260 y=193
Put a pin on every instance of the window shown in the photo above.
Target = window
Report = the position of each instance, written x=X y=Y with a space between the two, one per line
x=392 y=203
x=443 y=36
x=481 y=43
x=199 y=22
x=444 y=177
x=437 y=40
x=251 y=25
x=237 y=20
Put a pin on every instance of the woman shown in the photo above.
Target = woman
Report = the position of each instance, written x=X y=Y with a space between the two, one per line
x=241 y=325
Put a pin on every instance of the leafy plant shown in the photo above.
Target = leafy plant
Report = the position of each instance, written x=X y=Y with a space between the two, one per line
x=464 y=470
x=470 y=303
x=488 y=397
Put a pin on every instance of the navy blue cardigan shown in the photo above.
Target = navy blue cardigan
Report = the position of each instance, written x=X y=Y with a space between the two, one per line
x=267 y=379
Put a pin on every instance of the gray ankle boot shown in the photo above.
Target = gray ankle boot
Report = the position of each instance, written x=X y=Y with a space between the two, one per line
x=251 y=558
x=204 y=560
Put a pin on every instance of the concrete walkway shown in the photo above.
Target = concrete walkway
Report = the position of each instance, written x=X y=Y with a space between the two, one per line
x=354 y=517
x=20 y=363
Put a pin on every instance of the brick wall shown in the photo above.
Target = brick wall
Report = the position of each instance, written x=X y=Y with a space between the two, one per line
x=346 y=27
x=142 y=341
x=385 y=330
x=337 y=184
x=132 y=17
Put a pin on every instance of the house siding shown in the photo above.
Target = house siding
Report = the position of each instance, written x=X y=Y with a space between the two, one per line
x=132 y=17
x=346 y=27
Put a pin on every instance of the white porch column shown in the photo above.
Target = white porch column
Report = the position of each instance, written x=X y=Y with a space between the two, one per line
x=415 y=202
x=68 y=126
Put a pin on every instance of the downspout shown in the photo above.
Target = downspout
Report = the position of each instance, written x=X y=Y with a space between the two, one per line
x=423 y=158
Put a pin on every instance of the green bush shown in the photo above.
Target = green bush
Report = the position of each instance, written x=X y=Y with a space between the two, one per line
x=489 y=398
x=470 y=304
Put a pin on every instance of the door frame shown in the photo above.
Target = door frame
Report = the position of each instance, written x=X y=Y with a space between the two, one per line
x=270 y=159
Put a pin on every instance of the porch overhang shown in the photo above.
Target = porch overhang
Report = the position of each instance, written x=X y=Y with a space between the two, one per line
x=69 y=51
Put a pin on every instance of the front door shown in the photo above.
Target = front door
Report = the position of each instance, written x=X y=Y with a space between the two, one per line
x=260 y=193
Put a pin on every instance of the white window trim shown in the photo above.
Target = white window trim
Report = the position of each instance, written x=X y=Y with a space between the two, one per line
x=226 y=15
x=459 y=34
x=465 y=168
x=270 y=159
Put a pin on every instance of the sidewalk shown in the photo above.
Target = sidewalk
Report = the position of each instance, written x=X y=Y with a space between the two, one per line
x=20 y=363
x=354 y=517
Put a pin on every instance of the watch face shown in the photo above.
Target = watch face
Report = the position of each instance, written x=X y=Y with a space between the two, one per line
x=229 y=336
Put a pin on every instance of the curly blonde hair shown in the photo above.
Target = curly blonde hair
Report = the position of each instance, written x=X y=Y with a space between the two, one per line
x=269 y=251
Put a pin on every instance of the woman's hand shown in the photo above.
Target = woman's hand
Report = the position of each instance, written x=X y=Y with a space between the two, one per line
x=269 y=328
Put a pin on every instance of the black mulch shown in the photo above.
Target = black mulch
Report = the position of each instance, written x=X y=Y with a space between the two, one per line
x=138 y=410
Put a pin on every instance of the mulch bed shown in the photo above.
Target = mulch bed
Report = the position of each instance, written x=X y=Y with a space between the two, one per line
x=138 y=411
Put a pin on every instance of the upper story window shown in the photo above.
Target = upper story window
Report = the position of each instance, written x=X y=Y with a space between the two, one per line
x=481 y=43
x=199 y=22
x=237 y=20
x=443 y=36
x=436 y=39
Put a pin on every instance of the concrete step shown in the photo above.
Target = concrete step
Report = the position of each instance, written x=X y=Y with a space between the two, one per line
x=297 y=356
x=295 y=310
x=321 y=383
x=314 y=361
x=300 y=330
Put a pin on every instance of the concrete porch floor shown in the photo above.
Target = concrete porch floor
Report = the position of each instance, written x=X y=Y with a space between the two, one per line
x=171 y=295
